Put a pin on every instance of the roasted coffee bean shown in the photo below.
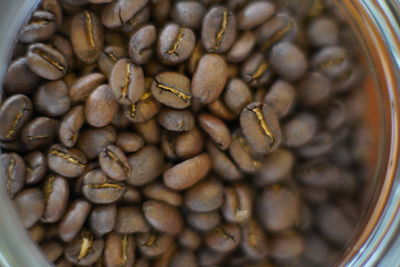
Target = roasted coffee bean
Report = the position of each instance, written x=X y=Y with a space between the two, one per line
x=188 y=13
x=237 y=95
x=256 y=70
x=205 y=196
x=36 y=167
x=189 y=144
x=52 y=250
x=242 y=47
x=165 y=258
x=253 y=240
x=152 y=244
x=146 y=165
x=119 y=12
x=195 y=57
x=288 y=61
x=163 y=217
x=39 y=132
x=87 y=36
x=92 y=140
x=46 y=61
x=222 y=164
x=84 y=86
x=132 y=195
x=223 y=238
x=332 y=61
x=323 y=31
x=161 y=10
x=275 y=167
x=184 y=257
x=320 y=145
x=175 y=44
x=219 y=109
x=73 y=219
x=204 y=221
x=254 y=14
x=53 y=7
x=30 y=206
x=37 y=233
x=242 y=155
x=141 y=44
x=114 y=163
x=299 y=130
x=159 y=191
x=188 y=172
x=65 y=47
x=176 y=120
x=278 y=208
x=286 y=246
x=150 y=131
x=172 y=89
x=99 y=189
x=19 y=79
x=56 y=195
x=102 y=219
x=130 y=220
x=129 y=142
x=279 y=28
x=319 y=173
x=85 y=249
x=209 y=78
x=12 y=168
x=40 y=27
x=210 y=257
x=110 y=56
x=101 y=106
x=52 y=99
x=66 y=162
x=139 y=19
x=260 y=127
x=218 y=30
x=119 y=250
x=281 y=97
x=144 y=110
x=238 y=203
x=14 y=113
x=318 y=251
x=70 y=126
x=314 y=89
x=216 y=129
x=334 y=115
x=127 y=82
x=189 y=239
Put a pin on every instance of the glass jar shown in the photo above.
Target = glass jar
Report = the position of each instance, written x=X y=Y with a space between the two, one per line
x=377 y=240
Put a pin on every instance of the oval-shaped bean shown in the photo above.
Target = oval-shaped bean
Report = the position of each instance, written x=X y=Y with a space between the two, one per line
x=30 y=206
x=70 y=126
x=119 y=12
x=188 y=13
x=141 y=44
x=56 y=195
x=332 y=61
x=84 y=250
x=152 y=244
x=204 y=221
x=66 y=162
x=102 y=219
x=129 y=142
x=242 y=155
x=110 y=56
x=13 y=171
x=222 y=164
x=216 y=129
x=80 y=90
x=176 y=120
x=73 y=219
x=281 y=97
x=114 y=163
x=41 y=26
x=205 y=196
x=119 y=250
x=238 y=204
x=19 y=79
x=254 y=14
x=159 y=191
x=39 y=132
x=163 y=217
x=223 y=238
x=101 y=106
x=242 y=47
x=299 y=130
x=52 y=99
x=189 y=144
x=237 y=95
x=254 y=242
x=92 y=140
x=36 y=167
x=256 y=71
x=131 y=220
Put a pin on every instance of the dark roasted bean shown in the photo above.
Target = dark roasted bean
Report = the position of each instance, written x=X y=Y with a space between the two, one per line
x=319 y=173
x=114 y=163
x=129 y=142
x=314 y=89
x=52 y=250
x=66 y=162
x=163 y=217
x=141 y=44
x=101 y=106
x=144 y=110
x=39 y=132
x=332 y=61
x=30 y=206
x=253 y=240
x=238 y=203
x=222 y=164
x=254 y=14
x=73 y=219
x=19 y=79
x=150 y=131
x=323 y=31
x=53 y=7
x=299 y=130
x=130 y=220
x=281 y=97
x=176 y=120
x=41 y=27
x=242 y=155
x=110 y=56
x=189 y=239
x=223 y=238
x=286 y=246
x=137 y=20
x=153 y=244
x=119 y=250
x=237 y=95
x=70 y=126
x=159 y=191
x=189 y=144
x=80 y=90
x=52 y=99
x=56 y=195
x=205 y=196
x=219 y=109
x=92 y=140
x=36 y=167
x=256 y=70
x=102 y=219
x=204 y=221
x=85 y=249
x=216 y=129
x=13 y=171
x=119 y=12
x=65 y=47
x=242 y=48
x=188 y=13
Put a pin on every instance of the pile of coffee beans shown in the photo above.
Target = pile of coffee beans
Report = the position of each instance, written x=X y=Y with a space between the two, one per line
x=185 y=133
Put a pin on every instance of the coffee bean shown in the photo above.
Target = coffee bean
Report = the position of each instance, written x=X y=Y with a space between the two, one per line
x=137 y=20
x=52 y=250
x=80 y=90
x=66 y=162
x=175 y=44
x=159 y=191
x=260 y=127
x=254 y=14
x=37 y=233
x=184 y=257
x=188 y=13
x=281 y=97
x=30 y=206
x=39 y=132
x=85 y=249
x=131 y=220
x=218 y=30
x=219 y=109
x=299 y=130
x=102 y=219
x=189 y=144
x=209 y=78
x=256 y=70
x=73 y=219
x=278 y=208
x=12 y=168
x=195 y=57
x=210 y=257
x=150 y=131
x=101 y=106
x=238 y=203
x=141 y=44
x=172 y=89
x=318 y=251
x=189 y=239
x=319 y=173
x=188 y=172
x=56 y=194
x=176 y=120
x=99 y=189
x=40 y=27
x=242 y=155
x=127 y=82
x=163 y=217
x=314 y=89
x=237 y=95
x=153 y=244
x=323 y=31
x=144 y=110
x=335 y=115
x=110 y=56
x=146 y=165
x=132 y=195
x=129 y=142
x=70 y=126
x=332 y=61
x=119 y=250
x=320 y=145
x=65 y=47
x=121 y=11
x=288 y=61
x=92 y=140
x=15 y=111
x=46 y=61
x=254 y=242
x=222 y=164
x=223 y=238
x=216 y=129
x=19 y=79
x=52 y=99
x=114 y=163
x=205 y=196
x=242 y=47
x=287 y=245
x=204 y=221
x=36 y=167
